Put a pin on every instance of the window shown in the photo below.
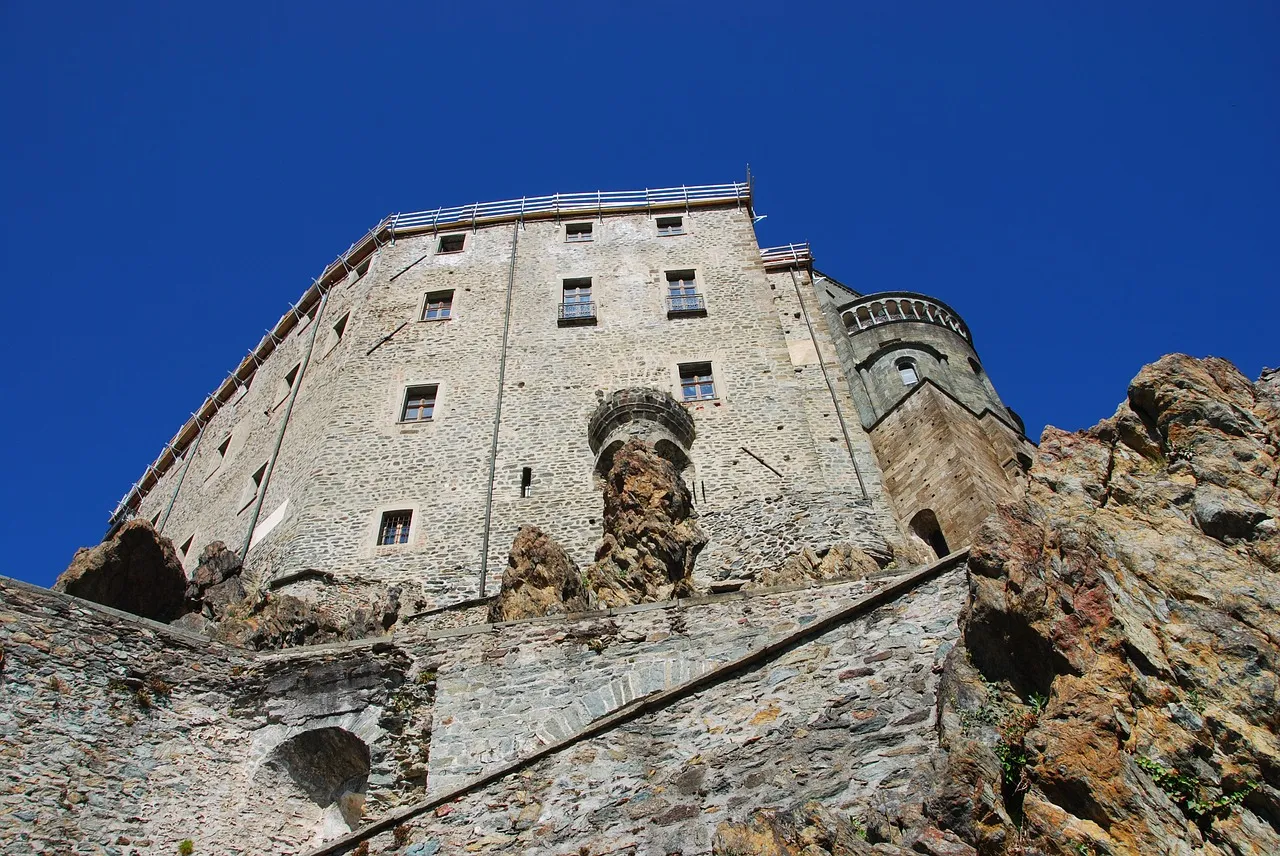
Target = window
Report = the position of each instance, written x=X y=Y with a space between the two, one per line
x=361 y=270
x=576 y=306
x=576 y=232
x=419 y=404
x=451 y=243
x=394 y=528
x=185 y=549
x=526 y=482
x=244 y=388
x=682 y=294
x=696 y=383
x=286 y=384
x=977 y=369
x=670 y=226
x=437 y=306
x=254 y=487
x=338 y=330
x=223 y=447
x=907 y=371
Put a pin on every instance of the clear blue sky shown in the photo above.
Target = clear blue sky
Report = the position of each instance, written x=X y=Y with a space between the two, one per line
x=1091 y=185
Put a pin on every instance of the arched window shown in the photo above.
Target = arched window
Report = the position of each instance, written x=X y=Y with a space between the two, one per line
x=907 y=370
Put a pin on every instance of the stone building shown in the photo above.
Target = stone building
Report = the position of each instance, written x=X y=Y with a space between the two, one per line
x=460 y=372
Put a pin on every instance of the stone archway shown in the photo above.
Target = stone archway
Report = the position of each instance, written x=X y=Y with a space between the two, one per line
x=330 y=766
x=642 y=414
x=925 y=527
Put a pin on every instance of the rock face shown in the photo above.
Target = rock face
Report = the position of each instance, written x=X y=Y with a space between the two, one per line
x=540 y=579
x=271 y=621
x=647 y=553
x=1118 y=690
x=216 y=583
x=137 y=571
x=651 y=538
x=841 y=561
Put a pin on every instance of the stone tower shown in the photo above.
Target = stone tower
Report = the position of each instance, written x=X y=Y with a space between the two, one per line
x=949 y=448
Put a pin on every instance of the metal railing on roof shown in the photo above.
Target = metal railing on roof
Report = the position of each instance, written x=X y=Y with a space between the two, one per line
x=786 y=256
x=476 y=214
x=560 y=204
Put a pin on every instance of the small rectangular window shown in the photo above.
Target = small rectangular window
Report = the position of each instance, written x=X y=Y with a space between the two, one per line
x=438 y=306
x=286 y=384
x=340 y=327
x=185 y=549
x=670 y=226
x=362 y=269
x=696 y=382
x=576 y=305
x=576 y=232
x=526 y=482
x=223 y=447
x=292 y=376
x=394 y=528
x=451 y=243
x=419 y=404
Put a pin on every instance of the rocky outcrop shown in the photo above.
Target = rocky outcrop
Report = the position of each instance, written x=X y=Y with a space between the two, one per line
x=271 y=621
x=841 y=560
x=137 y=571
x=651 y=538
x=216 y=583
x=540 y=579
x=1118 y=689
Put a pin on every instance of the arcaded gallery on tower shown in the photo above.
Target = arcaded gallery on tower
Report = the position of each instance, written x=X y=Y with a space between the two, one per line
x=460 y=372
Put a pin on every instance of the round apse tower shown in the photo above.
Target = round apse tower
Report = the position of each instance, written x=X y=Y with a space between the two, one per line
x=949 y=448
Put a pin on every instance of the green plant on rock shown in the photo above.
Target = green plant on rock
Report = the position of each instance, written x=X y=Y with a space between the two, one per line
x=859 y=828
x=187 y=847
x=1189 y=795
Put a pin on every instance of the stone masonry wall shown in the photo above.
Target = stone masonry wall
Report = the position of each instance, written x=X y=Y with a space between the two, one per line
x=346 y=459
x=847 y=718
x=938 y=456
x=90 y=764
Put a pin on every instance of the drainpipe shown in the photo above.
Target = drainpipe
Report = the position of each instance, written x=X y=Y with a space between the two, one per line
x=497 y=417
x=191 y=456
x=835 y=401
x=284 y=424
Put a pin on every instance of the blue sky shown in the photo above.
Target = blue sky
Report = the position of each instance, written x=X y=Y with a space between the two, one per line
x=1091 y=185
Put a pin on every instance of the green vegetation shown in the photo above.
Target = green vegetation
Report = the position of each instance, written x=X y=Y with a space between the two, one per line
x=187 y=847
x=1195 y=800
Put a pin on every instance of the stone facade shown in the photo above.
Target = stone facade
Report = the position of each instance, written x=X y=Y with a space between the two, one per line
x=121 y=736
x=515 y=390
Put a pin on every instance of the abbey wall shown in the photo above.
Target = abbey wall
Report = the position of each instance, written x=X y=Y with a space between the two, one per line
x=121 y=736
x=781 y=420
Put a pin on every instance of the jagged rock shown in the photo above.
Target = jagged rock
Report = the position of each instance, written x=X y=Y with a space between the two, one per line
x=841 y=561
x=137 y=571
x=540 y=579
x=272 y=621
x=216 y=583
x=810 y=830
x=651 y=539
x=1123 y=694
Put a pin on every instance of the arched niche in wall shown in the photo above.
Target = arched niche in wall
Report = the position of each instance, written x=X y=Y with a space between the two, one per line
x=642 y=414
x=330 y=767
x=925 y=527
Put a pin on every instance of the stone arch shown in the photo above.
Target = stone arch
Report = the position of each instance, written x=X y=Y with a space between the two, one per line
x=925 y=527
x=331 y=767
